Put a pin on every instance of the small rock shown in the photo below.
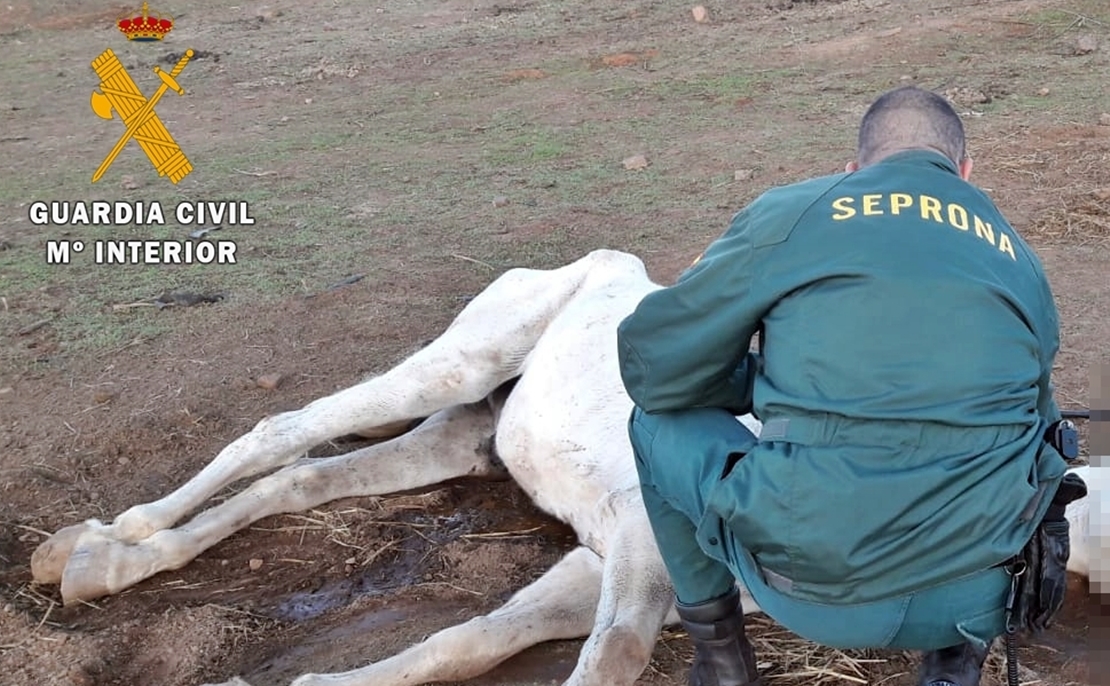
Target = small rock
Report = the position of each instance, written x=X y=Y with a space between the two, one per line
x=622 y=59
x=743 y=174
x=1043 y=92
x=1086 y=44
x=967 y=96
x=905 y=77
x=6 y=390
x=255 y=564
x=80 y=677
x=500 y=201
x=269 y=381
x=8 y=609
x=102 y=397
x=701 y=15
x=224 y=563
x=1104 y=119
x=124 y=461
x=350 y=561
x=308 y=101
x=128 y=183
x=525 y=75
x=636 y=162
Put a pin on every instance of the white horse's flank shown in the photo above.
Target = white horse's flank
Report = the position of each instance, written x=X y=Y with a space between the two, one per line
x=560 y=432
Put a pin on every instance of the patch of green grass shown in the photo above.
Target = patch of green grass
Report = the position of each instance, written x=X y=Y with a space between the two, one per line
x=531 y=145
x=547 y=149
x=1079 y=16
x=706 y=87
x=1050 y=16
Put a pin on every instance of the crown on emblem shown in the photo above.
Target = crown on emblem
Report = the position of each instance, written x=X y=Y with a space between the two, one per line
x=145 y=27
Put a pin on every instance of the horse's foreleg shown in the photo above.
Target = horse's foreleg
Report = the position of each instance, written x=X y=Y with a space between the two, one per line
x=558 y=605
x=636 y=598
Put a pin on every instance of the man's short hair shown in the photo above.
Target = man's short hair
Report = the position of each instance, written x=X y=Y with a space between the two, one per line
x=910 y=118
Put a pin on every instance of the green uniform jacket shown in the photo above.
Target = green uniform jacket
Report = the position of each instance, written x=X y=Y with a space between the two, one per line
x=907 y=337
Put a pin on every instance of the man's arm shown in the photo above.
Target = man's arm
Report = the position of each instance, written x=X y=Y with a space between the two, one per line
x=1046 y=401
x=1046 y=405
x=687 y=346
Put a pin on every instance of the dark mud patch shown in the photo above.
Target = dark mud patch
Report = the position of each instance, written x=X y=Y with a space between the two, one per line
x=353 y=636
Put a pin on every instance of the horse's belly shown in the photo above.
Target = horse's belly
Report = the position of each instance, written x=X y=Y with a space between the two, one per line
x=563 y=433
x=567 y=460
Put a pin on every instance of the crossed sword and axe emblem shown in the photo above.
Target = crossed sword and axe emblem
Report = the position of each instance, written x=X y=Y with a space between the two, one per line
x=118 y=92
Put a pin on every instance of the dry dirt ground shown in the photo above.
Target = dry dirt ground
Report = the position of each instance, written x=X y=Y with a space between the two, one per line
x=428 y=145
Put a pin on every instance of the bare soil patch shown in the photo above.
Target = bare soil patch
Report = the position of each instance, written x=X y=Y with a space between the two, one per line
x=428 y=145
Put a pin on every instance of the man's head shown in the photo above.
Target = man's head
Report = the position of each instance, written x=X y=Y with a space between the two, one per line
x=911 y=118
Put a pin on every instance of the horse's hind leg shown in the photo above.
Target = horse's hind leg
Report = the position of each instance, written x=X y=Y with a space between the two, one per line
x=558 y=605
x=450 y=444
x=483 y=347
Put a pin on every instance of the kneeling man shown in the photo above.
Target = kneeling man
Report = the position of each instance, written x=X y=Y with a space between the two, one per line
x=906 y=340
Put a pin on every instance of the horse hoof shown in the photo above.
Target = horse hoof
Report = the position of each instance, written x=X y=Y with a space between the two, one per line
x=101 y=565
x=50 y=558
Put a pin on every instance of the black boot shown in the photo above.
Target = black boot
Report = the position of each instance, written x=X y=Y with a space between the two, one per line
x=954 y=666
x=723 y=655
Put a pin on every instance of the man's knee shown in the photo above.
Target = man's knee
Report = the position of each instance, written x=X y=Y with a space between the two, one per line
x=685 y=434
x=643 y=428
x=641 y=438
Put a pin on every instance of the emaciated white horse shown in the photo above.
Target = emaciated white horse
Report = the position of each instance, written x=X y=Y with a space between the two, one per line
x=559 y=429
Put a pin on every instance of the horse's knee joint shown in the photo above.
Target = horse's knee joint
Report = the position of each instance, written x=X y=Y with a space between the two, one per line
x=620 y=656
x=137 y=523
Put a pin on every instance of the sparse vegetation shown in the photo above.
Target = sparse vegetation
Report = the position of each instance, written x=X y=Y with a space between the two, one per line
x=426 y=146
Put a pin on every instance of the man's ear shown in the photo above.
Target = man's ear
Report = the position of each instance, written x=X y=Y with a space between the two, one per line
x=965 y=168
x=852 y=166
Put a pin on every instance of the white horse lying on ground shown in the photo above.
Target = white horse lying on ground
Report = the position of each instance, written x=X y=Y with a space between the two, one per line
x=559 y=431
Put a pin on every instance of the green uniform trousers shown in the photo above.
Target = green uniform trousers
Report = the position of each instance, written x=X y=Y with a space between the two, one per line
x=682 y=455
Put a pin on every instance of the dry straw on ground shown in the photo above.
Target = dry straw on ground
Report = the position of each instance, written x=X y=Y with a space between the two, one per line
x=1077 y=212
x=785 y=659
